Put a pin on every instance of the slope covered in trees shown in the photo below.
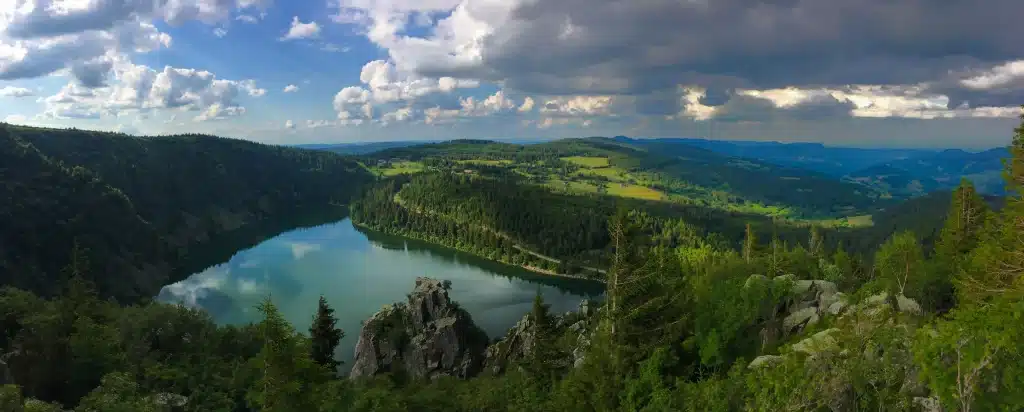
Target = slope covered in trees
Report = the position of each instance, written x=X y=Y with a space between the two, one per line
x=527 y=225
x=672 y=173
x=137 y=209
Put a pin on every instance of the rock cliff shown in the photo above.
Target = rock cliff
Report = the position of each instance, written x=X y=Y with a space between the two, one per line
x=426 y=337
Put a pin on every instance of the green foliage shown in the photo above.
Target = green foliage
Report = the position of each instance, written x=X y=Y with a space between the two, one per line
x=973 y=359
x=899 y=264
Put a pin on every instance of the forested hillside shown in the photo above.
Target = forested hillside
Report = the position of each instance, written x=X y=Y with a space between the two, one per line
x=923 y=174
x=132 y=211
x=670 y=173
x=522 y=224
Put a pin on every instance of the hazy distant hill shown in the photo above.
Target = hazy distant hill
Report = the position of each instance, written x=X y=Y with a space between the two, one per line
x=835 y=161
x=939 y=171
x=362 y=147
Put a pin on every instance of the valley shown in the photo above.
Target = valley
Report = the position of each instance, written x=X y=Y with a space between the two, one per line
x=202 y=273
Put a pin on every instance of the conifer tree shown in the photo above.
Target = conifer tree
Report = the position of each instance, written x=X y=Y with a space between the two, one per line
x=543 y=355
x=283 y=367
x=964 y=223
x=325 y=336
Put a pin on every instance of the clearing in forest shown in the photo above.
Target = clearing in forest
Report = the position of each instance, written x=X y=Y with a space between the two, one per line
x=587 y=161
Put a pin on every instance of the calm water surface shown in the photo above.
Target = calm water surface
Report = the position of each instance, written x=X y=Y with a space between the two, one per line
x=358 y=272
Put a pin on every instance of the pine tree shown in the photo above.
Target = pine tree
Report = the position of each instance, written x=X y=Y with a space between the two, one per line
x=325 y=336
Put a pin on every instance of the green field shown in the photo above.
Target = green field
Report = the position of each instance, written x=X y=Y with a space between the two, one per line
x=587 y=161
x=398 y=168
x=634 y=191
x=484 y=162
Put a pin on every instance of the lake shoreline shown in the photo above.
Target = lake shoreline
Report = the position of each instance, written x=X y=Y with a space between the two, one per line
x=524 y=267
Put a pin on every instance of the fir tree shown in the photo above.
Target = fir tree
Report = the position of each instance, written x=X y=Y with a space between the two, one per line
x=325 y=336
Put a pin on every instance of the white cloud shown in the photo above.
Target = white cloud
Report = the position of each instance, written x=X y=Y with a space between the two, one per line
x=577 y=106
x=15 y=119
x=288 y=124
x=245 y=18
x=1010 y=74
x=527 y=105
x=291 y=88
x=300 y=30
x=11 y=91
x=493 y=104
x=220 y=32
x=315 y=124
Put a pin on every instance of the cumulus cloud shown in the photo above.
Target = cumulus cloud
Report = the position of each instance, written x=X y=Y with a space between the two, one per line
x=288 y=124
x=15 y=119
x=11 y=91
x=300 y=30
x=291 y=88
x=138 y=88
x=220 y=32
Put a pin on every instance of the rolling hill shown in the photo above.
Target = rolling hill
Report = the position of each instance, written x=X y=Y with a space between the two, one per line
x=939 y=171
x=666 y=172
x=137 y=211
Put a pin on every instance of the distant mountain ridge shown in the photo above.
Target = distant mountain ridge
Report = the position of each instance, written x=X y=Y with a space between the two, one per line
x=898 y=172
x=834 y=161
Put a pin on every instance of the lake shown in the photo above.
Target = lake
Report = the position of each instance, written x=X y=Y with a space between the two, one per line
x=359 y=271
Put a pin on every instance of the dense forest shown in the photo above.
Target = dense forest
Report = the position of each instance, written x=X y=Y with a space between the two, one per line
x=138 y=209
x=502 y=219
x=699 y=314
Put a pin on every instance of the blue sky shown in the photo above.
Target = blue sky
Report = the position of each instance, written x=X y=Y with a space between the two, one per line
x=869 y=73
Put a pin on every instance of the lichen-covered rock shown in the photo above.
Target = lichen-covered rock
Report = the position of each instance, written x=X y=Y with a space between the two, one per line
x=816 y=343
x=800 y=319
x=930 y=404
x=426 y=337
x=908 y=305
x=764 y=360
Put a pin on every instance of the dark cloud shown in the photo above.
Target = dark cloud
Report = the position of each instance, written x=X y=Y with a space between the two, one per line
x=636 y=46
x=92 y=74
x=755 y=109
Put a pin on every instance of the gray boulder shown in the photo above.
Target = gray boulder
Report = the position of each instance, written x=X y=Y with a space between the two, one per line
x=426 y=337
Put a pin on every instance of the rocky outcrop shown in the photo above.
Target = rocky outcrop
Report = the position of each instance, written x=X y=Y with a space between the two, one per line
x=514 y=347
x=426 y=337
x=517 y=344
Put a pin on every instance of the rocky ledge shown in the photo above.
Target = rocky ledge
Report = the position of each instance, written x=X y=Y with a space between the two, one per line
x=424 y=338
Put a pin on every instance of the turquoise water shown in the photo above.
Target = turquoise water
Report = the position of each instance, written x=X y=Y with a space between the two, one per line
x=359 y=271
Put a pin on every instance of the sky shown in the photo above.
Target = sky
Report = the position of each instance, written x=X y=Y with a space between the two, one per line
x=868 y=73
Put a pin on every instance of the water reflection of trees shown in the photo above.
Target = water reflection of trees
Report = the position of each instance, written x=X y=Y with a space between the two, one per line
x=588 y=288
